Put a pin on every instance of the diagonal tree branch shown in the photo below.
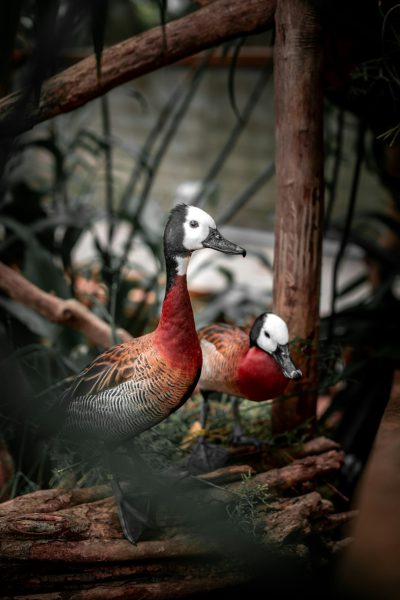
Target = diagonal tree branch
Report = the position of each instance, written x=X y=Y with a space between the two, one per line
x=65 y=312
x=220 y=21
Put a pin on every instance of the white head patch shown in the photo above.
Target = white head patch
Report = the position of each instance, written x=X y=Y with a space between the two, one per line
x=196 y=228
x=274 y=331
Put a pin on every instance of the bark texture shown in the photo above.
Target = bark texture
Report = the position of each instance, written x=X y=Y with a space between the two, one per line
x=298 y=61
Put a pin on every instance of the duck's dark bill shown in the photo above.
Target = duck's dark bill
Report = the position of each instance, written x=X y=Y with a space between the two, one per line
x=283 y=358
x=217 y=241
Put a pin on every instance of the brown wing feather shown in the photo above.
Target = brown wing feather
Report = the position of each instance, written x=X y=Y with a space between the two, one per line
x=224 y=337
x=222 y=347
x=111 y=368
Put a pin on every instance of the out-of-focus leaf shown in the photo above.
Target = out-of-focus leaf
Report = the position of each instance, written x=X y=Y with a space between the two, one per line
x=99 y=13
x=9 y=17
x=30 y=318
x=39 y=266
x=46 y=35
x=352 y=285
x=234 y=134
x=370 y=248
x=163 y=5
x=262 y=258
x=227 y=273
x=390 y=222
x=52 y=148
x=231 y=77
x=247 y=194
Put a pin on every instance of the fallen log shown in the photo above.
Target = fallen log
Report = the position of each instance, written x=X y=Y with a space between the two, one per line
x=299 y=471
x=131 y=589
x=98 y=550
x=38 y=575
x=53 y=500
x=71 y=540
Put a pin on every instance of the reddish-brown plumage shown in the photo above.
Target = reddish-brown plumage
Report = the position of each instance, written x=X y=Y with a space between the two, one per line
x=169 y=357
x=175 y=337
x=232 y=367
x=259 y=377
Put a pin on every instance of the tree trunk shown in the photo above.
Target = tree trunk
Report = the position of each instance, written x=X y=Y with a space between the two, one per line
x=299 y=170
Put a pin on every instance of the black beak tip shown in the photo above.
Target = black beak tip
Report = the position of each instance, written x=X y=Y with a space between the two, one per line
x=244 y=252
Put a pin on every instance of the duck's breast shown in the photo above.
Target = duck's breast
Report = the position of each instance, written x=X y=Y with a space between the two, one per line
x=259 y=376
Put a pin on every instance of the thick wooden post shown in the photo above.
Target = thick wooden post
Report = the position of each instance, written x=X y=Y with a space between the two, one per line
x=299 y=171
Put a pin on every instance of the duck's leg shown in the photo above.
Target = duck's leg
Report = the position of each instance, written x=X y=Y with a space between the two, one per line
x=205 y=456
x=134 y=508
x=238 y=437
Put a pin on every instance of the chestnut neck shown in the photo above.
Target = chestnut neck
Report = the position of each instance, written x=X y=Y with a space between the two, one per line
x=176 y=331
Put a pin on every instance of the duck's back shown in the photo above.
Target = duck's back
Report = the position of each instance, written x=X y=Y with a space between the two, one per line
x=222 y=346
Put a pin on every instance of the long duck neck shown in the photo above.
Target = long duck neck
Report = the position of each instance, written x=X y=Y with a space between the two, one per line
x=176 y=331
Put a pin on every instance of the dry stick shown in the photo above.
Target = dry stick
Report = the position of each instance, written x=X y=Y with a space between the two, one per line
x=223 y=20
x=65 y=312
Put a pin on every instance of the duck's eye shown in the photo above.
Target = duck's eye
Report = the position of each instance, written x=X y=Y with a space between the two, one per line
x=194 y=224
x=266 y=334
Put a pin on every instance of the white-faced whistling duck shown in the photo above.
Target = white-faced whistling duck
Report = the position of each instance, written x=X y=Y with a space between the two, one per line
x=255 y=365
x=135 y=385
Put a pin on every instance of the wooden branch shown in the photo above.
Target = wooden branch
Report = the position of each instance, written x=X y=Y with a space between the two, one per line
x=209 y=26
x=64 y=312
x=227 y=474
x=299 y=471
x=317 y=445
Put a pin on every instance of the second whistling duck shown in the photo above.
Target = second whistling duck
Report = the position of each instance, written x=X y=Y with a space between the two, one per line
x=135 y=385
x=255 y=365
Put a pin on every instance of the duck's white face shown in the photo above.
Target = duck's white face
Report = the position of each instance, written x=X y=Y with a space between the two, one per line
x=273 y=332
x=196 y=228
